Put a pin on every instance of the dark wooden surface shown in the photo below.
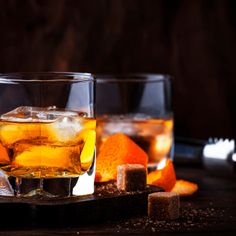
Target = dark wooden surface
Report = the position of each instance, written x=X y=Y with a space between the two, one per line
x=212 y=210
x=192 y=40
x=74 y=211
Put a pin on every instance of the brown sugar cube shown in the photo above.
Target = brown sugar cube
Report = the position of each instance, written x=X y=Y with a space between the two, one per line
x=131 y=177
x=163 y=205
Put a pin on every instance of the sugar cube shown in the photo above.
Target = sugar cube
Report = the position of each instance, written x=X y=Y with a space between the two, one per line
x=163 y=205
x=131 y=177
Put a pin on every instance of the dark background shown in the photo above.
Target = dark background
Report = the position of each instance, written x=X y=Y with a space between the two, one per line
x=193 y=40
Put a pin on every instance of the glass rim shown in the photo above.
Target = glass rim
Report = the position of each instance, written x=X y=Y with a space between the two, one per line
x=31 y=77
x=132 y=77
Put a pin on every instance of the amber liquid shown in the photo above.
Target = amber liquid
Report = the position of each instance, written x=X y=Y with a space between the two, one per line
x=154 y=136
x=46 y=150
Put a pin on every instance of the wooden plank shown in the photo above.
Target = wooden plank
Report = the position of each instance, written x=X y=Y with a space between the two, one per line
x=106 y=203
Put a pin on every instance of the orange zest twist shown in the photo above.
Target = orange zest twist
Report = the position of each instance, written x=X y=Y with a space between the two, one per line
x=118 y=149
x=164 y=178
x=4 y=158
x=184 y=188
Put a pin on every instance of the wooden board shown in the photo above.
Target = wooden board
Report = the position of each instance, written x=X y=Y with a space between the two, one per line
x=105 y=204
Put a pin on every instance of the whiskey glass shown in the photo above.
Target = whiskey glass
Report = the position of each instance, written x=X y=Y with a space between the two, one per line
x=140 y=106
x=47 y=133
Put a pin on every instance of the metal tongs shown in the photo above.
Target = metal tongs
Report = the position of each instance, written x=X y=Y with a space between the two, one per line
x=217 y=156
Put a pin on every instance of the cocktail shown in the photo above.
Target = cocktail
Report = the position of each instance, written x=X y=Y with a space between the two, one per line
x=139 y=106
x=47 y=133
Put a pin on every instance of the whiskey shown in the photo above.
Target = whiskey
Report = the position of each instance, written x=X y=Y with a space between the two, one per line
x=153 y=135
x=46 y=143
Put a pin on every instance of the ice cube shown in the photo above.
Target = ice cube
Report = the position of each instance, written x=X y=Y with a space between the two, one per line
x=120 y=124
x=10 y=133
x=123 y=126
x=129 y=124
x=47 y=124
x=50 y=156
x=19 y=114
x=66 y=129
x=5 y=186
x=141 y=116
x=35 y=114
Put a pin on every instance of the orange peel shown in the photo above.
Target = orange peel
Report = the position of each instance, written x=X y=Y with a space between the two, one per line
x=118 y=149
x=4 y=158
x=165 y=178
x=184 y=188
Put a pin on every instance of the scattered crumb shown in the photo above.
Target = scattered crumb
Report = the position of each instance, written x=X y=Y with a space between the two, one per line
x=190 y=220
x=110 y=188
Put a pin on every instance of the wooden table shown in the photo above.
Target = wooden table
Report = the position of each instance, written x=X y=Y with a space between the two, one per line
x=212 y=210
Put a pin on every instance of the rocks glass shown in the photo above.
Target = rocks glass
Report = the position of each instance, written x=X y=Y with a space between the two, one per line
x=47 y=133
x=138 y=105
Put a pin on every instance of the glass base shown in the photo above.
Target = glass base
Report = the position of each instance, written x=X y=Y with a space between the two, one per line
x=55 y=187
x=36 y=193
x=42 y=188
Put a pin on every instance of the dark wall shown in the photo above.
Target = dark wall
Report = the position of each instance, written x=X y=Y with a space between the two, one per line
x=194 y=40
